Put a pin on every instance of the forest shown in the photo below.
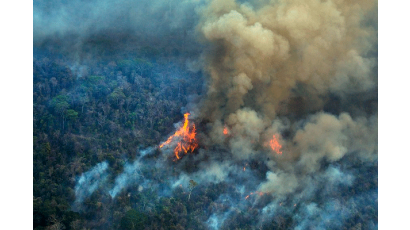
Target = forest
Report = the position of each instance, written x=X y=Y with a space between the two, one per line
x=205 y=115
x=106 y=115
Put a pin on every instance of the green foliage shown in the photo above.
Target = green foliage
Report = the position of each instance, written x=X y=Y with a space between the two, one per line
x=47 y=148
x=125 y=63
x=133 y=220
x=109 y=118
x=93 y=79
x=143 y=62
x=60 y=103
x=69 y=217
x=71 y=114
x=116 y=95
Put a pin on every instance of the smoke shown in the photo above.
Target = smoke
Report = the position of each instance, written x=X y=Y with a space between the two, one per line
x=247 y=125
x=90 y=181
x=101 y=30
x=261 y=55
x=303 y=71
x=273 y=69
x=129 y=175
x=279 y=183
x=333 y=213
x=329 y=137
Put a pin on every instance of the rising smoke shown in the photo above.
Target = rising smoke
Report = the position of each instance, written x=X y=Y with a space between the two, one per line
x=303 y=70
x=268 y=60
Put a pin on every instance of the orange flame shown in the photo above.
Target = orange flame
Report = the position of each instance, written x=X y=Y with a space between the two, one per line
x=226 y=131
x=259 y=193
x=274 y=144
x=187 y=142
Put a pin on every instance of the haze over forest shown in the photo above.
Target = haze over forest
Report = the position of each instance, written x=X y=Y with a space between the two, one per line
x=219 y=114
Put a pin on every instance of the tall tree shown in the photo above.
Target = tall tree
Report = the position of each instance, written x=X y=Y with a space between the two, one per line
x=60 y=105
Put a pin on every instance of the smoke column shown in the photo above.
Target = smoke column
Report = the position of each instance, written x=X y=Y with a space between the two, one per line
x=300 y=75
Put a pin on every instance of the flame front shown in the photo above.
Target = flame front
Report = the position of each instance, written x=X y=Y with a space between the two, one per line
x=187 y=142
x=274 y=144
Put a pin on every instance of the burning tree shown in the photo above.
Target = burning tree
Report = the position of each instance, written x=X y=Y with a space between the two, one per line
x=186 y=141
x=275 y=145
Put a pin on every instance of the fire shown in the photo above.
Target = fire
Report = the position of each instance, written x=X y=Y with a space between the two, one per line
x=258 y=193
x=187 y=141
x=226 y=131
x=274 y=144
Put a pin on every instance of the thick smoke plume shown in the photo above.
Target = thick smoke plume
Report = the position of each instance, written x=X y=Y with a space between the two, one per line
x=302 y=71
x=268 y=59
x=265 y=58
